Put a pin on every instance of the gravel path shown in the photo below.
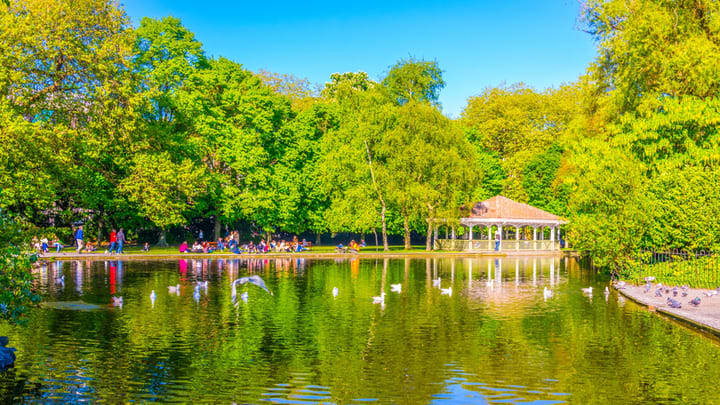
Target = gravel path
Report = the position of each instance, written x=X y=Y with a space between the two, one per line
x=706 y=315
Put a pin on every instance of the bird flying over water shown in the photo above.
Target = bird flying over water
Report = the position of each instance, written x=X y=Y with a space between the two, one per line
x=117 y=301
x=254 y=279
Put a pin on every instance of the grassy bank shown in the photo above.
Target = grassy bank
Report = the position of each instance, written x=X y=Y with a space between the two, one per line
x=676 y=269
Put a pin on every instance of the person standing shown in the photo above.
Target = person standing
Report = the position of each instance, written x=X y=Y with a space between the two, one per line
x=79 y=238
x=497 y=240
x=200 y=236
x=113 y=240
x=120 y=241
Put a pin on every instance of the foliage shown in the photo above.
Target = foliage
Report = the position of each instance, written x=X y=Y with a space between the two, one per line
x=414 y=80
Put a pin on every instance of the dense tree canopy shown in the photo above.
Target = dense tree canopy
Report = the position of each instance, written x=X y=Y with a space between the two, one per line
x=115 y=125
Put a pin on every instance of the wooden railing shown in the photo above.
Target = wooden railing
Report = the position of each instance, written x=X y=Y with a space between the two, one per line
x=505 y=245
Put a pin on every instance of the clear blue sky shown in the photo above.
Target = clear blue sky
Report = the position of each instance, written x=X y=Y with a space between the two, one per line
x=477 y=43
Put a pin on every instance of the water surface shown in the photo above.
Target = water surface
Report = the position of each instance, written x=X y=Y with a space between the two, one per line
x=494 y=340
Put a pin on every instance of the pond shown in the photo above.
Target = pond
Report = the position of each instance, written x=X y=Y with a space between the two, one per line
x=495 y=339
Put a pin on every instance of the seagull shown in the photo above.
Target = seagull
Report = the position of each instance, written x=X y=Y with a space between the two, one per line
x=436 y=282
x=380 y=299
x=153 y=296
x=117 y=301
x=446 y=291
x=695 y=301
x=673 y=304
x=587 y=290
x=396 y=288
x=174 y=289
x=547 y=293
x=335 y=292
x=711 y=293
x=254 y=279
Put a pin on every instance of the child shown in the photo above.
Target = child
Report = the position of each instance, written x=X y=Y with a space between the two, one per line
x=146 y=247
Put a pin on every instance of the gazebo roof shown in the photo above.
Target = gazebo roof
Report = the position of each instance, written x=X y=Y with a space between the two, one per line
x=500 y=208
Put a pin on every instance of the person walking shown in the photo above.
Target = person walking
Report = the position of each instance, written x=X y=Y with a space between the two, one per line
x=120 y=241
x=113 y=240
x=79 y=238
x=497 y=240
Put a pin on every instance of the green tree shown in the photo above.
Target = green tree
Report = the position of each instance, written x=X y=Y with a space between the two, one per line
x=414 y=80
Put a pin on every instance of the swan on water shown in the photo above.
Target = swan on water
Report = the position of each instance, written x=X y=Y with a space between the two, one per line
x=174 y=289
x=436 y=282
x=446 y=291
x=396 y=288
x=380 y=299
x=587 y=290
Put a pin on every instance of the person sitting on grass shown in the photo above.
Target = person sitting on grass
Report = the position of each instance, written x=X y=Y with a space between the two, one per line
x=340 y=248
x=90 y=247
x=220 y=245
x=353 y=246
x=196 y=247
x=146 y=247
x=184 y=247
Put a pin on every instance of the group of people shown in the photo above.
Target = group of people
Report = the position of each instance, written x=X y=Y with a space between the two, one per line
x=232 y=243
x=352 y=247
x=116 y=243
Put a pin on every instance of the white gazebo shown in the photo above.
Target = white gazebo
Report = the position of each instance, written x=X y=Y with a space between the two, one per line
x=506 y=224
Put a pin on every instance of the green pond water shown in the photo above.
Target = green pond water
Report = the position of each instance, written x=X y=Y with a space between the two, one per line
x=494 y=340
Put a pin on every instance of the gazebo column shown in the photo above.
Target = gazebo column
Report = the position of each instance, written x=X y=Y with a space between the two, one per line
x=470 y=238
x=517 y=237
x=490 y=238
x=452 y=233
x=552 y=237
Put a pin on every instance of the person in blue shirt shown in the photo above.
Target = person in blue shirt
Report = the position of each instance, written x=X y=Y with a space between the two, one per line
x=79 y=238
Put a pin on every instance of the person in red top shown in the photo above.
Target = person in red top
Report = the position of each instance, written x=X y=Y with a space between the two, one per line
x=113 y=240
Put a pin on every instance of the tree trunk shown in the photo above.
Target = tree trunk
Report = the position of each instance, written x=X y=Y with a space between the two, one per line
x=406 y=226
x=162 y=242
x=317 y=239
x=384 y=228
x=218 y=228
x=376 y=239
x=99 y=231
x=428 y=240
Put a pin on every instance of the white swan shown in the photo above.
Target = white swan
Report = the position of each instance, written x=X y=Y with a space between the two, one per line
x=396 y=288
x=587 y=290
x=436 y=282
x=380 y=299
x=446 y=291
x=174 y=289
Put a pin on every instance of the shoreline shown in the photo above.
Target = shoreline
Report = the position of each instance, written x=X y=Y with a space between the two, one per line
x=302 y=255
x=705 y=317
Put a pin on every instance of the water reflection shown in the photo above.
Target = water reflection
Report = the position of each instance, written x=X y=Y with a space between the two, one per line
x=495 y=339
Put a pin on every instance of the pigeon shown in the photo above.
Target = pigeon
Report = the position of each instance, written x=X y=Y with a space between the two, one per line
x=446 y=291
x=396 y=288
x=658 y=293
x=695 y=301
x=587 y=290
x=673 y=303
x=547 y=293
x=174 y=289
x=380 y=299
x=117 y=301
x=436 y=282
x=675 y=292
x=684 y=290
x=667 y=290
x=647 y=288
x=335 y=292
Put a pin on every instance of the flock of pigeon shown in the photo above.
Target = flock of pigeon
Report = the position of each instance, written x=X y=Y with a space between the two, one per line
x=671 y=293
x=202 y=286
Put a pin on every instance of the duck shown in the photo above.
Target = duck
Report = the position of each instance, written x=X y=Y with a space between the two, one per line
x=335 y=292
x=446 y=291
x=396 y=288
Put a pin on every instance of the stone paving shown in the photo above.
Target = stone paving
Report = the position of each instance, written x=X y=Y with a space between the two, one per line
x=706 y=315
